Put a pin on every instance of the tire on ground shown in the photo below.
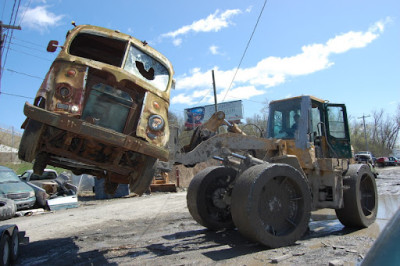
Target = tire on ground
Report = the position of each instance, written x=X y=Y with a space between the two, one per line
x=360 y=198
x=271 y=204
x=40 y=163
x=205 y=197
x=5 y=245
x=140 y=182
x=14 y=245
x=7 y=209
x=30 y=140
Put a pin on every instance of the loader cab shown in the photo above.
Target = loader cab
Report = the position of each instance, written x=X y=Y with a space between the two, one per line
x=308 y=120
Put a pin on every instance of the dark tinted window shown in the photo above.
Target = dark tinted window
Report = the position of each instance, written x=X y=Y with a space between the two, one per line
x=98 y=48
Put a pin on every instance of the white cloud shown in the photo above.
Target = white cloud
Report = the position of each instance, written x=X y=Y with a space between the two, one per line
x=177 y=42
x=240 y=93
x=182 y=98
x=273 y=71
x=39 y=18
x=214 y=49
x=214 y=22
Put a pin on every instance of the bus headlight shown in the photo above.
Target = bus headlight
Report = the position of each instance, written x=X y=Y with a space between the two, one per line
x=156 y=123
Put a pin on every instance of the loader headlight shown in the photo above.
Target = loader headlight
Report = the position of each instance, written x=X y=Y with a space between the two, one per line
x=156 y=123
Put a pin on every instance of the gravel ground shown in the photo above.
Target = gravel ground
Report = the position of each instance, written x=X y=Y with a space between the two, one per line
x=158 y=230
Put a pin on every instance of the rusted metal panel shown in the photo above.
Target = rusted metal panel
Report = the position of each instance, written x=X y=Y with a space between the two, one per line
x=107 y=136
x=120 y=75
x=153 y=106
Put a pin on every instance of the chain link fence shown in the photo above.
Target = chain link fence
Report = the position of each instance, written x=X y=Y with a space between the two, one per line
x=9 y=143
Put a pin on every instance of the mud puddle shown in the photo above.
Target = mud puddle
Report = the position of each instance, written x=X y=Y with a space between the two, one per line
x=388 y=205
x=324 y=222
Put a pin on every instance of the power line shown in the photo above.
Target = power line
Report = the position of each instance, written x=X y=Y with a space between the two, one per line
x=25 y=74
x=16 y=95
x=204 y=96
x=31 y=48
x=245 y=50
x=31 y=55
x=25 y=41
x=12 y=31
x=26 y=9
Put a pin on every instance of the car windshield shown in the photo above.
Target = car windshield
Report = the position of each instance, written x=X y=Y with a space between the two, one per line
x=146 y=68
x=8 y=176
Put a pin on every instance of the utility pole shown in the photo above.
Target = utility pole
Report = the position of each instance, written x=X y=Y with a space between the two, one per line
x=215 y=91
x=2 y=42
x=365 y=132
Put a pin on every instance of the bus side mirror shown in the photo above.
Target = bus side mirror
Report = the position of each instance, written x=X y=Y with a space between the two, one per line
x=52 y=46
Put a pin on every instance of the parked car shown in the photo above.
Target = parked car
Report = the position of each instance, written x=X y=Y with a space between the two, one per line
x=47 y=180
x=48 y=174
x=393 y=161
x=365 y=156
x=382 y=161
x=12 y=187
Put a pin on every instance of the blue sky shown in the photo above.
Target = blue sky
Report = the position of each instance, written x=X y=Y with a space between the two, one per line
x=345 y=51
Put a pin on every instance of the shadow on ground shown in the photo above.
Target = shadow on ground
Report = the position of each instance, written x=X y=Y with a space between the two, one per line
x=61 y=251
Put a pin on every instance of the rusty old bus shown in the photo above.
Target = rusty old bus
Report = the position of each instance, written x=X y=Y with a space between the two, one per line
x=102 y=109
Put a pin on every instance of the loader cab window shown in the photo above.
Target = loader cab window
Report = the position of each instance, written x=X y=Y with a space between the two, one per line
x=283 y=119
x=337 y=131
x=336 y=122
x=317 y=127
x=277 y=125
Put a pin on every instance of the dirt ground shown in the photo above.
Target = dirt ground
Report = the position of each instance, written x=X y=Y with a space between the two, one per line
x=158 y=230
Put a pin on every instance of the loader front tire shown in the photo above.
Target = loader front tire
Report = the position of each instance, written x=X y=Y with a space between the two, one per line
x=271 y=204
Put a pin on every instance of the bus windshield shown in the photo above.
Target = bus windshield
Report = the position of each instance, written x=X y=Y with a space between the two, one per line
x=146 y=68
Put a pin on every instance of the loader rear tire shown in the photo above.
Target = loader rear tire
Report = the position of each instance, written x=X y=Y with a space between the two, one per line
x=360 y=198
x=271 y=204
x=208 y=197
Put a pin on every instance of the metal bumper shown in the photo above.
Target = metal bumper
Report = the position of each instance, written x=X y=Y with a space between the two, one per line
x=25 y=203
x=101 y=134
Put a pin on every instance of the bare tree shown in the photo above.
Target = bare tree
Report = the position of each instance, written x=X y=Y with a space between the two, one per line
x=382 y=133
